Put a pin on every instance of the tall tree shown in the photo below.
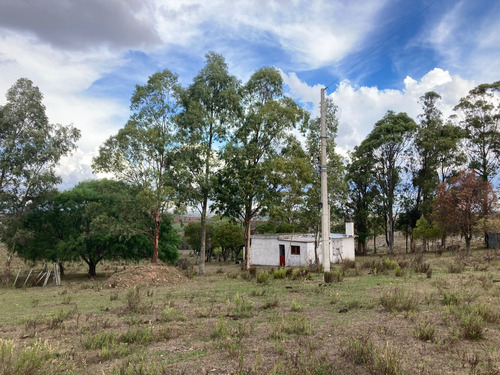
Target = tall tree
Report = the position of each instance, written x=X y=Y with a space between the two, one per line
x=479 y=114
x=146 y=152
x=362 y=192
x=251 y=180
x=385 y=146
x=212 y=104
x=460 y=204
x=480 y=117
x=30 y=148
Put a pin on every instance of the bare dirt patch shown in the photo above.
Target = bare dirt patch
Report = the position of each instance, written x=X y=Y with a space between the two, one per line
x=147 y=275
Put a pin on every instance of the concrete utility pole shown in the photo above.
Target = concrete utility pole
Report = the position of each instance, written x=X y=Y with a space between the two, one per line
x=325 y=213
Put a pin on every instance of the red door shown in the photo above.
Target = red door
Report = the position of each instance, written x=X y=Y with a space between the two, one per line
x=282 y=255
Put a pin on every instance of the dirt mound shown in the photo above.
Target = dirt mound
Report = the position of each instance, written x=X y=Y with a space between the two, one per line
x=149 y=275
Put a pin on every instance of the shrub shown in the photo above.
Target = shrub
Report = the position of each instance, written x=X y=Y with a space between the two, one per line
x=456 y=267
x=348 y=264
x=170 y=315
x=263 y=277
x=333 y=276
x=328 y=277
x=220 y=330
x=279 y=274
x=296 y=306
x=252 y=271
x=471 y=326
x=133 y=300
x=424 y=331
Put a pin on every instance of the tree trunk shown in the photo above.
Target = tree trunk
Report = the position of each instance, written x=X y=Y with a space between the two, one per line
x=92 y=268
x=6 y=274
x=156 y=237
x=390 y=233
x=203 y=236
x=248 y=224
x=467 y=244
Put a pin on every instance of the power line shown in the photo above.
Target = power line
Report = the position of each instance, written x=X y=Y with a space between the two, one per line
x=382 y=43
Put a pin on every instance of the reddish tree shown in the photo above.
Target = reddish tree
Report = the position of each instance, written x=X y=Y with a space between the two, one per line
x=461 y=203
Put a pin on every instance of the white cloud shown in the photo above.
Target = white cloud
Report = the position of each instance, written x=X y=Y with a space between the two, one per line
x=361 y=107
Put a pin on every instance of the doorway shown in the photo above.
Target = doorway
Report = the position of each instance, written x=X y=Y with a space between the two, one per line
x=282 y=255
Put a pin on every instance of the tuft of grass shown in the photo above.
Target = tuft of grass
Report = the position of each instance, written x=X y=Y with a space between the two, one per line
x=279 y=274
x=271 y=303
x=137 y=335
x=100 y=340
x=171 y=314
x=242 y=307
x=263 y=277
x=333 y=276
x=133 y=301
x=28 y=360
x=296 y=306
x=397 y=299
x=424 y=331
x=220 y=330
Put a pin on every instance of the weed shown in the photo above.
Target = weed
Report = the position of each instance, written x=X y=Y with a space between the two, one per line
x=386 y=361
x=263 y=277
x=258 y=293
x=58 y=318
x=220 y=330
x=242 y=307
x=333 y=276
x=397 y=299
x=232 y=275
x=296 y=306
x=252 y=271
x=450 y=299
x=456 y=267
x=279 y=274
x=100 y=340
x=297 y=324
x=171 y=314
x=359 y=350
x=219 y=271
x=133 y=300
x=271 y=304
x=113 y=296
x=424 y=331
x=137 y=335
x=398 y=272
x=29 y=360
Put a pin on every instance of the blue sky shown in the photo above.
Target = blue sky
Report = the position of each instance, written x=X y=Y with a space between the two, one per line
x=87 y=55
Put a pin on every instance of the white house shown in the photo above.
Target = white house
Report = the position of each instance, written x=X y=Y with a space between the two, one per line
x=298 y=249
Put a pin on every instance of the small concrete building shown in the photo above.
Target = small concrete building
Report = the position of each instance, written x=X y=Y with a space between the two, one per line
x=298 y=249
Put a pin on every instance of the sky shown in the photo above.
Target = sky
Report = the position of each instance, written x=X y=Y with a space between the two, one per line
x=87 y=56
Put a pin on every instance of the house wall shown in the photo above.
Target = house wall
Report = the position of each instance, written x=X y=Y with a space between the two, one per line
x=265 y=250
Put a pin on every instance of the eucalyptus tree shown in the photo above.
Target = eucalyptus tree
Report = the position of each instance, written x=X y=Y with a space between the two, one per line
x=337 y=188
x=436 y=153
x=30 y=148
x=250 y=182
x=212 y=105
x=146 y=152
x=362 y=193
x=385 y=146
x=479 y=115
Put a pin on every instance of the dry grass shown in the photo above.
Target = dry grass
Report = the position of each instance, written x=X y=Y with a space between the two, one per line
x=392 y=321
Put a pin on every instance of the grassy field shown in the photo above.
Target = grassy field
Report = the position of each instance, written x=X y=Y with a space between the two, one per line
x=402 y=315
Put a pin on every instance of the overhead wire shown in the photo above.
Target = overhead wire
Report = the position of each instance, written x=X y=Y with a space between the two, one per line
x=382 y=43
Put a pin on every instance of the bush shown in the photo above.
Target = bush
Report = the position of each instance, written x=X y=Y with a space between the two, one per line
x=29 y=360
x=279 y=274
x=263 y=277
x=333 y=276
x=100 y=340
x=424 y=331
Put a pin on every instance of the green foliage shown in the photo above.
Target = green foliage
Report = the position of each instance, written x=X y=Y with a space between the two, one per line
x=384 y=148
x=137 y=335
x=242 y=307
x=263 y=277
x=146 y=152
x=279 y=273
x=250 y=182
x=30 y=148
x=95 y=220
x=100 y=340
